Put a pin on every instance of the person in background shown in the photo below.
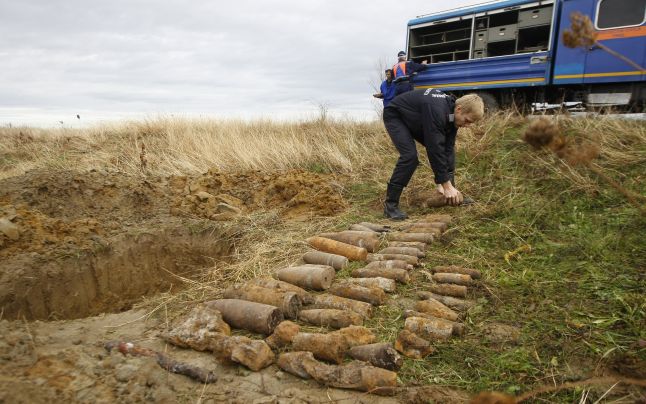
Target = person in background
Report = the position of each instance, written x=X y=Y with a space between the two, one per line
x=404 y=72
x=387 y=89
x=431 y=118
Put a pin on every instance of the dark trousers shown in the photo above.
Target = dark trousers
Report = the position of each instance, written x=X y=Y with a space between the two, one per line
x=405 y=143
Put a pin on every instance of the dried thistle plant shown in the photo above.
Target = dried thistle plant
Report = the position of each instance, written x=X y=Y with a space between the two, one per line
x=582 y=34
x=544 y=133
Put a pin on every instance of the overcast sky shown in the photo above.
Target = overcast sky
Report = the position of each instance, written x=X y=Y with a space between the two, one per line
x=119 y=59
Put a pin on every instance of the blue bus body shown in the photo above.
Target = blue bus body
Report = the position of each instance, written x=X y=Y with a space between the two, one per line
x=512 y=51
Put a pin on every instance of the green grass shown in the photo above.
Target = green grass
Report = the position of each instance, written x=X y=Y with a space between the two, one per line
x=578 y=297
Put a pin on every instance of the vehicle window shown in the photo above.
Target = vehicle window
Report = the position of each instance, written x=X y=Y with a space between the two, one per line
x=620 y=13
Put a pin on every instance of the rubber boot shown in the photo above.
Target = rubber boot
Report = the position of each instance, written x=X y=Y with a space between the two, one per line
x=391 y=205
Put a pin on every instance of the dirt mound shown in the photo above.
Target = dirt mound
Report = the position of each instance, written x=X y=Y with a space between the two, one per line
x=297 y=194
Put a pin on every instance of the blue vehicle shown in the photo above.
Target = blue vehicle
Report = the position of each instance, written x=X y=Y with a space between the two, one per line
x=512 y=52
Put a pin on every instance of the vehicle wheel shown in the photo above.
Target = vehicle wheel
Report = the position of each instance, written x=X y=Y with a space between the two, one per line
x=490 y=103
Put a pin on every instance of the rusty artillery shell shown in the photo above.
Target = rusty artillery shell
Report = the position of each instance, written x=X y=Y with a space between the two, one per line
x=354 y=375
x=250 y=316
x=356 y=335
x=252 y=353
x=423 y=229
x=330 y=317
x=374 y=296
x=288 y=302
x=398 y=274
x=452 y=302
x=387 y=285
x=411 y=260
x=434 y=225
x=412 y=345
x=271 y=283
x=454 y=269
x=379 y=228
x=458 y=328
x=359 y=233
x=415 y=244
x=390 y=264
x=447 y=289
x=415 y=252
x=337 y=262
x=456 y=279
x=336 y=247
x=436 y=309
x=327 y=301
x=283 y=335
x=361 y=241
x=329 y=347
x=198 y=329
x=359 y=227
x=381 y=354
x=428 y=329
x=317 y=277
x=437 y=218
x=420 y=237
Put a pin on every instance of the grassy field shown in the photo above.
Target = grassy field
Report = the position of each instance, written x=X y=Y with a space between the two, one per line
x=562 y=251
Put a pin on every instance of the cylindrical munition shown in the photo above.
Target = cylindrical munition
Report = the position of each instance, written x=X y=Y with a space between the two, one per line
x=327 y=301
x=251 y=316
x=374 y=296
x=252 y=353
x=359 y=227
x=456 y=279
x=330 y=317
x=452 y=302
x=423 y=229
x=415 y=252
x=381 y=354
x=398 y=274
x=271 y=283
x=317 y=277
x=198 y=329
x=458 y=328
x=437 y=218
x=369 y=243
x=436 y=309
x=454 y=269
x=359 y=233
x=436 y=200
x=337 y=262
x=414 y=244
x=435 y=225
x=356 y=335
x=354 y=375
x=288 y=302
x=428 y=329
x=329 y=347
x=336 y=247
x=412 y=345
x=411 y=260
x=376 y=227
x=387 y=285
x=449 y=290
x=390 y=264
x=283 y=335
x=420 y=237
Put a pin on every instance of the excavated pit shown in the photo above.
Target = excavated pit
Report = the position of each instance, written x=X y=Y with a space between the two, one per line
x=109 y=280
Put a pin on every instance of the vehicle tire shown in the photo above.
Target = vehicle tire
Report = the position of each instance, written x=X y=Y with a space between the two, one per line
x=490 y=103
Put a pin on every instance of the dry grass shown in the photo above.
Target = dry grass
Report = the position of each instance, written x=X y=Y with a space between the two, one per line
x=171 y=146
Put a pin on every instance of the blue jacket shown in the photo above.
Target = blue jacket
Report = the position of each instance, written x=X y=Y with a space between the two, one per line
x=388 y=91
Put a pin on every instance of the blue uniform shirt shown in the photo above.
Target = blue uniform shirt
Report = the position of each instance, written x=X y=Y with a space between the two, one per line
x=388 y=91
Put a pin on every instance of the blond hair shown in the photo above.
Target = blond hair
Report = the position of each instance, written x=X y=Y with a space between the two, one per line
x=471 y=105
